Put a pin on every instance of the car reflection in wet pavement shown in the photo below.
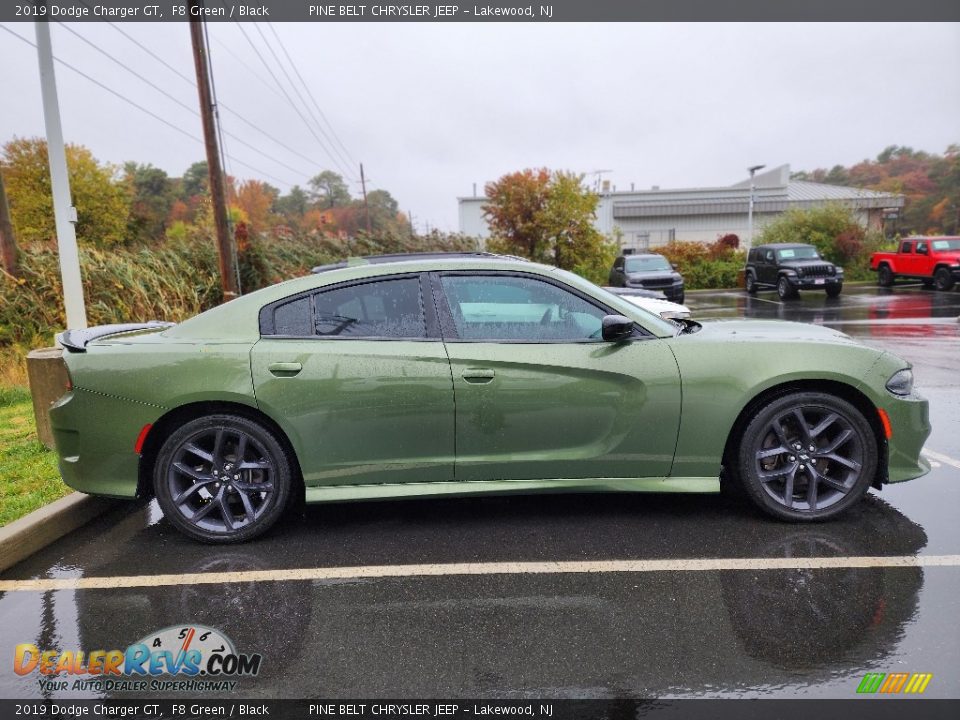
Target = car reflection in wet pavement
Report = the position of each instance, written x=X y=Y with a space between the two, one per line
x=754 y=632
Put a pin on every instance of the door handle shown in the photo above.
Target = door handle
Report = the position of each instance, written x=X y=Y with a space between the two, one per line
x=478 y=376
x=285 y=369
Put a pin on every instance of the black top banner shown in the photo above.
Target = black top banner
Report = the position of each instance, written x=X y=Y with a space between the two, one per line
x=501 y=11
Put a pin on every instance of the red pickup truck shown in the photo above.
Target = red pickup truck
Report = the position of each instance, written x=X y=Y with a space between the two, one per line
x=935 y=260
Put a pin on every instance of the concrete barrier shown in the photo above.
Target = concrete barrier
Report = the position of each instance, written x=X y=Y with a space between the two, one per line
x=47 y=375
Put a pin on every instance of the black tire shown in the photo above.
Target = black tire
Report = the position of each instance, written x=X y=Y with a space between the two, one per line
x=222 y=479
x=680 y=299
x=885 y=276
x=784 y=290
x=943 y=279
x=834 y=290
x=751 y=284
x=839 y=469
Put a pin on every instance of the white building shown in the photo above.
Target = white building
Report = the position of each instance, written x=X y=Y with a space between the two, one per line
x=648 y=218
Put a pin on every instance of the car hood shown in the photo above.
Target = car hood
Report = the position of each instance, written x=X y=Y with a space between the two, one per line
x=653 y=275
x=772 y=330
x=804 y=263
x=951 y=257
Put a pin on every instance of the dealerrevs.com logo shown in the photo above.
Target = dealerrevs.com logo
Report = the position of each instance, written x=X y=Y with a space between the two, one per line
x=196 y=658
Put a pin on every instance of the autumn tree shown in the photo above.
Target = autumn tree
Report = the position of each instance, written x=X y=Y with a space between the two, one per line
x=256 y=199
x=548 y=217
x=101 y=200
x=329 y=190
x=151 y=198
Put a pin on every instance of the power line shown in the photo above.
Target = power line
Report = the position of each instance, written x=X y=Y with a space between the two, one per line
x=163 y=92
x=221 y=104
x=143 y=109
x=310 y=93
x=293 y=104
x=299 y=95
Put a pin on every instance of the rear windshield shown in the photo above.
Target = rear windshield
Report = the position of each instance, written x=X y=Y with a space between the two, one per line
x=646 y=263
x=801 y=253
x=946 y=244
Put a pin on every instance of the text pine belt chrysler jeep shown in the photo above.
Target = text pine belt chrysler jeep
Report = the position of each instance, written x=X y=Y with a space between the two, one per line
x=790 y=267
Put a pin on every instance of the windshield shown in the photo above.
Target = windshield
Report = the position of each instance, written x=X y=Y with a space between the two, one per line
x=946 y=244
x=646 y=263
x=800 y=253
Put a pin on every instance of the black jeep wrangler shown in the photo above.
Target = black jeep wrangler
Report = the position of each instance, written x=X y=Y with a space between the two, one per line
x=790 y=267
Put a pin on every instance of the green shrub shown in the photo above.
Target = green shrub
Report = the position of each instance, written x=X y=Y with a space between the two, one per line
x=705 y=266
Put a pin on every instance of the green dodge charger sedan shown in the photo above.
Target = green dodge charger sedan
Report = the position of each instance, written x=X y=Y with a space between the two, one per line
x=467 y=376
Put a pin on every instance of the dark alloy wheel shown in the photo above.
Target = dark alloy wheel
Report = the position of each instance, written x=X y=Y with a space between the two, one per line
x=885 y=276
x=807 y=456
x=942 y=279
x=834 y=290
x=783 y=288
x=751 y=283
x=222 y=479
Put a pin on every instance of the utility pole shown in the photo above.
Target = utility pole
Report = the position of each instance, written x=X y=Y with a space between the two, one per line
x=225 y=251
x=65 y=214
x=8 y=241
x=366 y=207
x=753 y=171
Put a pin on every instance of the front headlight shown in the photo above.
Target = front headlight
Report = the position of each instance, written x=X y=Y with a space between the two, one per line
x=799 y=272
x=901 y=383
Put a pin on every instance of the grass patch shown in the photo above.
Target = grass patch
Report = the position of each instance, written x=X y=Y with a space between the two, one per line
x=29 y=478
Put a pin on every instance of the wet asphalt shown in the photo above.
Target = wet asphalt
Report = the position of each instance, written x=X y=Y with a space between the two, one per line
x=733 y=633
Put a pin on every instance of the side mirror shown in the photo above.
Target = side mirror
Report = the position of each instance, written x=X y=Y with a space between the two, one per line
x=617 y=328
x=673 y=266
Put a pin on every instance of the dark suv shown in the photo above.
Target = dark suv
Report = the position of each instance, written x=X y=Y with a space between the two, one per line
x=790 y=267
x=650 y=271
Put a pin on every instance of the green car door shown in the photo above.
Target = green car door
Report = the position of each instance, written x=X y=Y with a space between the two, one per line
x=363 y=390
x=539 y=394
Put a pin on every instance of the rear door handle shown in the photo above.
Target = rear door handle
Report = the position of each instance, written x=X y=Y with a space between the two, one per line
x=478 y=376
x=285 y=369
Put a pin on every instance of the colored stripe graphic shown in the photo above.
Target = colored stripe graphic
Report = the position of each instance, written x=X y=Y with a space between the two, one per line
x=871 y=682
x=893 y=683
x=918 y=683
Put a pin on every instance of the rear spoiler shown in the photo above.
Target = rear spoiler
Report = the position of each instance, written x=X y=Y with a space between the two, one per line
x=77 y=340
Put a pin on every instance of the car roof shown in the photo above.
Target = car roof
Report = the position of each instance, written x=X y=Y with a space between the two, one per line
x=406 y=257
x=776 y=246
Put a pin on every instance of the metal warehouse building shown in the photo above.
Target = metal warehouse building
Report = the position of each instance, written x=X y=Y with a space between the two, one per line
x=648 y=218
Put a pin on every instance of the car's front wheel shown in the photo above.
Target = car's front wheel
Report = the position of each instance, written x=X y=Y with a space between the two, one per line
x=785 y=289
x=807 y=456
x=834 y=290
x=222 y=479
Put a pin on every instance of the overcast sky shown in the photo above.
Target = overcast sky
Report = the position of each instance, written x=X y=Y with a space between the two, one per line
x=431 y=109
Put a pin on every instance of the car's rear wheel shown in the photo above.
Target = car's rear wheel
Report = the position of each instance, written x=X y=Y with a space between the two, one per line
x=784 y=289
x=885 y=276
x=807 y=456
x=222 y=479
x=834 y=290
x=943 y=279
x=751 y=282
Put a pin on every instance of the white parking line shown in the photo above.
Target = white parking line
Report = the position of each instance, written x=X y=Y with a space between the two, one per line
x=494 y=568
x=945 y=459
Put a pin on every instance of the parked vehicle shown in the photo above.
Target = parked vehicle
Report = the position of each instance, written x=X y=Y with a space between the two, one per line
x=790 y=267
x=652 y=301
x=935 y=260
x=650 y=271
x=470 y=376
